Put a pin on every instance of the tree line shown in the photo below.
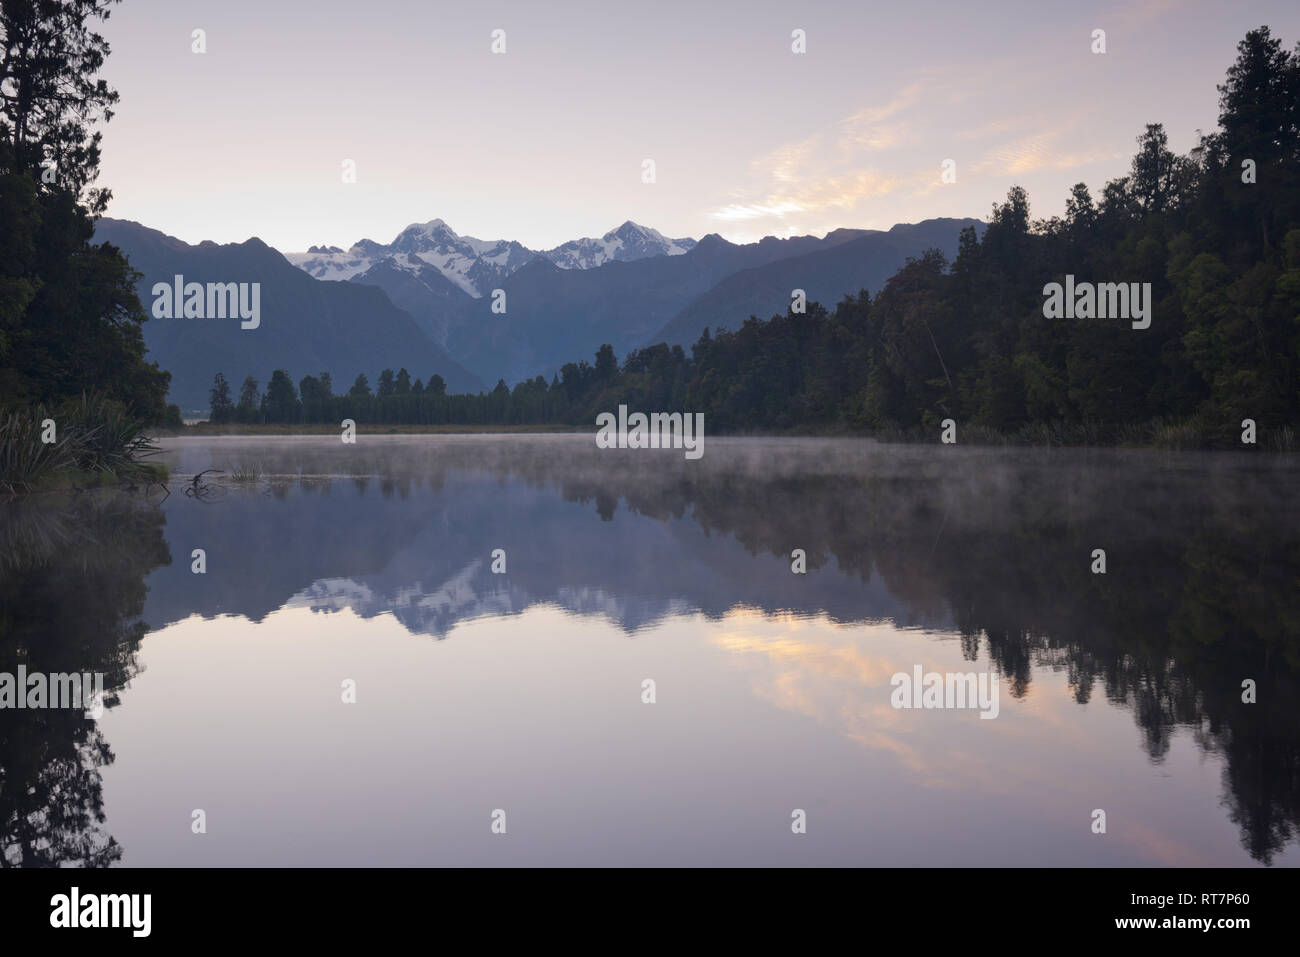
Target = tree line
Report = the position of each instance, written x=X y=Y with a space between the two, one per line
x=1215 y=232
x=72 y=350
x=70 y=316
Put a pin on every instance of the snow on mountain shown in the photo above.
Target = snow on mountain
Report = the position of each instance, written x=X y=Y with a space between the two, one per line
x=624 y=244
x=475 y=265
x=332 y=263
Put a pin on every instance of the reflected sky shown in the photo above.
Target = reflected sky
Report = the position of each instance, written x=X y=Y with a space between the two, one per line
x=522 y=691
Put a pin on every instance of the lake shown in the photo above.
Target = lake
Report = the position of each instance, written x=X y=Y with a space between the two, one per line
x=480 y=650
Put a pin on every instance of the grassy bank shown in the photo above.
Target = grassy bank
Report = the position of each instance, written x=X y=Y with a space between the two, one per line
x=85 y=442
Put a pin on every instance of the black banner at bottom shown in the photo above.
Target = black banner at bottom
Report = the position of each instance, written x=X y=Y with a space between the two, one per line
x=332 y=906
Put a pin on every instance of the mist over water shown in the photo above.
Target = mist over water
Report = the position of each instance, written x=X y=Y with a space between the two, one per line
x=522 y=691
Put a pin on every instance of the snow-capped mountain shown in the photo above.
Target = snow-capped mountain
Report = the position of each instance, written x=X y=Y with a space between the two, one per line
x=477 y=266
x=624 y=244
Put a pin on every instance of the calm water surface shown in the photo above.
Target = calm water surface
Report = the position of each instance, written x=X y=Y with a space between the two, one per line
x=522 y=691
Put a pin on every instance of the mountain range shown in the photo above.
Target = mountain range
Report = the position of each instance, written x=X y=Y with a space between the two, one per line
x=424 y=301
x=642 y=288
x=474 y=265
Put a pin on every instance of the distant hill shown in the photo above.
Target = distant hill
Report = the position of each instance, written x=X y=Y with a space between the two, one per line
x=307 y=326
x=826 y=275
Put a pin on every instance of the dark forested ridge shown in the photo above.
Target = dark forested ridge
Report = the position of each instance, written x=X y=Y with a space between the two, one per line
x=845 y=263
x=1215 y=234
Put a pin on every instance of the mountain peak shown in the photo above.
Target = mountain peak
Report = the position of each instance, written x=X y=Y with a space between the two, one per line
x=434 y=227
x=712 y=241
x=624 y=243
x=630 y=227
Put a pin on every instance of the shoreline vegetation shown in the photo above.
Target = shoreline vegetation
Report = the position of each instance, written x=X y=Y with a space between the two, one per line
x=1158 y=434
x=82 y=443
x=77 y=392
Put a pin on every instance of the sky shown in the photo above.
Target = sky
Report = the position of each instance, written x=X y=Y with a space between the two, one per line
x=547 y=141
